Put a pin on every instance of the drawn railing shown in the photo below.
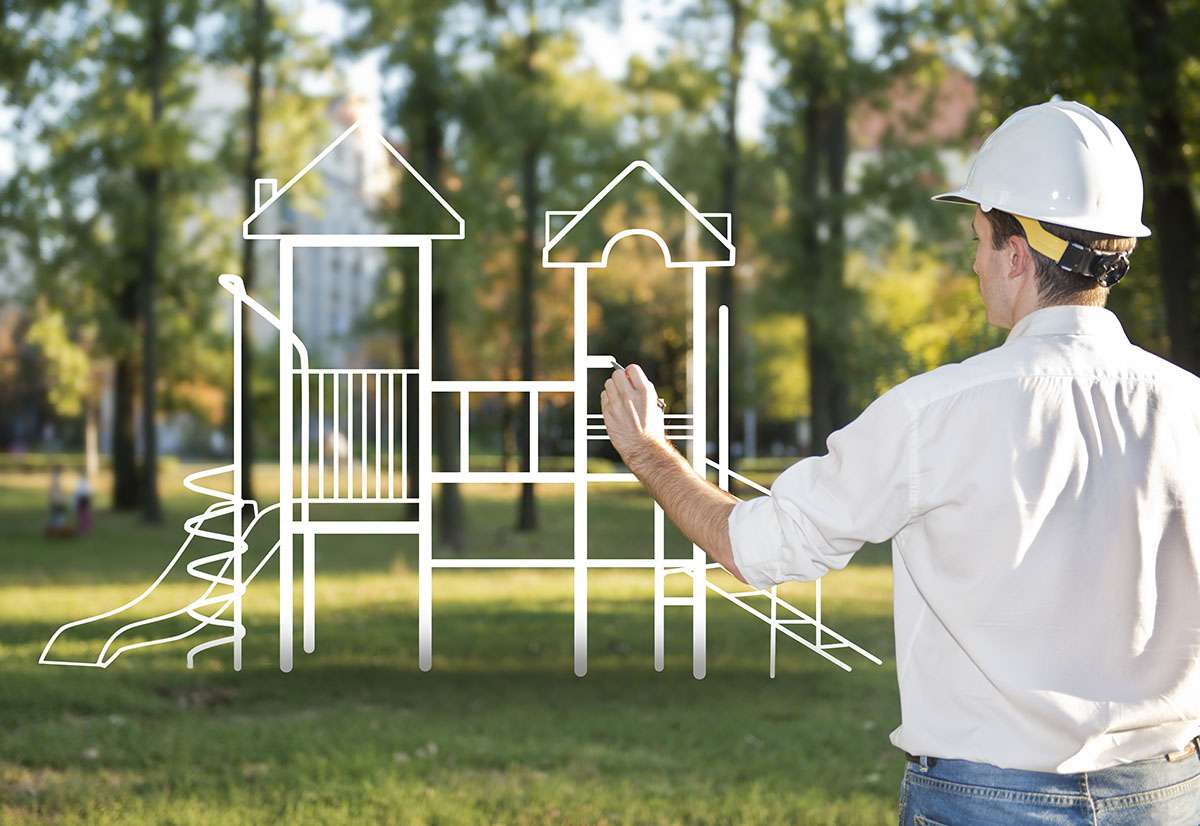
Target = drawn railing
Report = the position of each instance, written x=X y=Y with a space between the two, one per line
x=677 y=426
x=824 y=638
x=354 y=435
x=533 y=389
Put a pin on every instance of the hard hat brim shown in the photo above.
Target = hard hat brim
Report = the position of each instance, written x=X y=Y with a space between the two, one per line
x=955 y=197
x=961 y=197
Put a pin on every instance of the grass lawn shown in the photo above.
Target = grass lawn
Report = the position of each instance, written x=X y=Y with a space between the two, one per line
x=500 y=731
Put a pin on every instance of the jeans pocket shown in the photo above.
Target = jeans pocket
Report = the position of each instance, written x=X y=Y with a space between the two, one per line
x=904 y=797
x=1180 y=802
x=921 y=820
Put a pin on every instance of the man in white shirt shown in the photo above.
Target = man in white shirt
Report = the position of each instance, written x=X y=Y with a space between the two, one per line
x=1043 y=502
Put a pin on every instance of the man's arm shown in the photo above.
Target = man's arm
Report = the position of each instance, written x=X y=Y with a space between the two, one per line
x=635 y=426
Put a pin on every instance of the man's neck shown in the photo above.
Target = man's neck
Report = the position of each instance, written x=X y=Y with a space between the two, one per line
x=1028 y=310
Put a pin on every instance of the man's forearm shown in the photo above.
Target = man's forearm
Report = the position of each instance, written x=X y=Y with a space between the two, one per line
x=697 y=507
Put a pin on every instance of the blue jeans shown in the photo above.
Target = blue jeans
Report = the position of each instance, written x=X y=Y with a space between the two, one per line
x=964 y=793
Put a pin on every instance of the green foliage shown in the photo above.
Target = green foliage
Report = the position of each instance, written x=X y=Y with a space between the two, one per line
x=67 y=363
x=920 y=313
x=781 y=344
x=478 y=92
x=76 y=215
x=295 y=65
x=1028 y=52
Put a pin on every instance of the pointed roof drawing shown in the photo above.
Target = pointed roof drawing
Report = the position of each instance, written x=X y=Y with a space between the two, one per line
x=431 y=216
x=593 y=244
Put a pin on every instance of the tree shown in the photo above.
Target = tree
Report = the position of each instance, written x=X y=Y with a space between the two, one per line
x=516 y=124
x=278 y=117
x=1157 y=52
x=1029 y=51
x=741 y=14
x=821 y=77
x=707 y=85
x=530 y=113
x=531 y=202
x=258 y=25
x=112 y=216
x=410 y=34
x=149 y=179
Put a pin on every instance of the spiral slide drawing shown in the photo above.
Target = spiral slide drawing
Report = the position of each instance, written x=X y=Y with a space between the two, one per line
x=220 y=594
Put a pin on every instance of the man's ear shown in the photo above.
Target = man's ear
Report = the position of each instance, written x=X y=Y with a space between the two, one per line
x=1019 y=256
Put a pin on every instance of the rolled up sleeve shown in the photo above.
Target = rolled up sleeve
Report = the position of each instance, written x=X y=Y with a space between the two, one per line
x=824 y=508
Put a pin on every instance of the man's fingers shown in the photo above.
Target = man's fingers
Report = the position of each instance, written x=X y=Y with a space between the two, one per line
x=622 y=378
x=638 y=377
x=630 y=384
x=638 y=382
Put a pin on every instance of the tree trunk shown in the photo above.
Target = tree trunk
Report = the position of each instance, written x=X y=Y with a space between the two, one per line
x=835 y=143
x=450 y=515
x=807 y=211
x=506 y=432
x=730 y=169
x=1176 y=228
x=150 y=182
x=445 y=413
x=258 y=34
x=408 y=355
x=527 y=516
x=423 y=106
x=821 y=206
x=823 y=386
x=91 y=439
x=126 y=491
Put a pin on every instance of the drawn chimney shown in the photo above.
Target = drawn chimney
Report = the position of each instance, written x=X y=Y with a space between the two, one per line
x=264 y=190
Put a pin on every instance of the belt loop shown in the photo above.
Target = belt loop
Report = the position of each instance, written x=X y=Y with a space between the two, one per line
x=924 y=763
x=1192 y=748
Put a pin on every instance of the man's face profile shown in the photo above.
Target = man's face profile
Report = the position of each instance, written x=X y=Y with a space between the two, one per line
x=993 y=268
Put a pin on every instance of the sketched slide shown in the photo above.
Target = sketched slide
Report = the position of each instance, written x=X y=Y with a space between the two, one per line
x=217 y=585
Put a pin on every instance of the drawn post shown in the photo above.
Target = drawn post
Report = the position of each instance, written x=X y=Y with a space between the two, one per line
x=286 y=248
x=699 y=459
x=239 y=544
x=659 y=586
x=723 y=396
x=425 y=455
x=309 y=590
x=581 y=470
x=308 y=600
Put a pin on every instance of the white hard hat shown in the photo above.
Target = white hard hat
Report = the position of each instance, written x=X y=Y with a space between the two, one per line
x=1060 y=162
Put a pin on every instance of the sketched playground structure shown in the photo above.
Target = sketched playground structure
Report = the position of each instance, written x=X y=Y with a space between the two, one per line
x=371 y=408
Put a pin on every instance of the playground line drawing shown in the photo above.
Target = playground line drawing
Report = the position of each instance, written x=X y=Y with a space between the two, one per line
x=374 y=470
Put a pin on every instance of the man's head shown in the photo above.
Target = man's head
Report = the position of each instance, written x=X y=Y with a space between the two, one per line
x=1058 y=200
x=1015 y=278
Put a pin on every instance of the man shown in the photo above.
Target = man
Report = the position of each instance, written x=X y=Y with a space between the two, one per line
x=1043 y=502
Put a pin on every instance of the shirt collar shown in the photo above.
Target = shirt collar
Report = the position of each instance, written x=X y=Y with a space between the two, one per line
x=1069 y=319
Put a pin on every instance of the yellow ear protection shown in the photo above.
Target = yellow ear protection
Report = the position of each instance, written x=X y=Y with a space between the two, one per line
x=1106 y=268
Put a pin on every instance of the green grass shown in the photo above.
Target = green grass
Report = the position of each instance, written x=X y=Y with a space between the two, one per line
x=500 y=731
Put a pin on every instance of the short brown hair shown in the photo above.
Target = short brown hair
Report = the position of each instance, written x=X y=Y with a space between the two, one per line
x=1054 y=284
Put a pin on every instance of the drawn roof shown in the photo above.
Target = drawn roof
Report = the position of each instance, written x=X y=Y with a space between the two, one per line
x=686 y=228
x=422 y=211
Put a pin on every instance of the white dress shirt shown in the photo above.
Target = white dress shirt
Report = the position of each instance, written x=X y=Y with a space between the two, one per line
x=1043 y=502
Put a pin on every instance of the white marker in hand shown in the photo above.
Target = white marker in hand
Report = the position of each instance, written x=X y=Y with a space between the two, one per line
x=662 y=404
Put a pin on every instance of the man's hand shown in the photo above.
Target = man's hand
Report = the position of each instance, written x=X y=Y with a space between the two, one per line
x=631 y=412
x=635 y=426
